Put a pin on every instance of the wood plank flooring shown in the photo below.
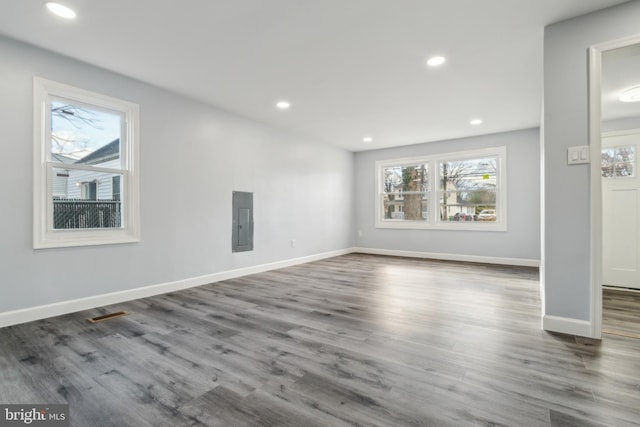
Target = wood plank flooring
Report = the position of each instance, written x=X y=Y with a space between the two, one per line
x=621 y=312
x=356 y=340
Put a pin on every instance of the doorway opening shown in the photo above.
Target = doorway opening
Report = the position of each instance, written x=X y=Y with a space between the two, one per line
x=614 y=132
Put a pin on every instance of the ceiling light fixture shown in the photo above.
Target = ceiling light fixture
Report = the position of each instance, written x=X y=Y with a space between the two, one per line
x=60 y=10
x=283 y=105
x=367 y=139
x=436 y=61
x=475 y=122
x=631 y=95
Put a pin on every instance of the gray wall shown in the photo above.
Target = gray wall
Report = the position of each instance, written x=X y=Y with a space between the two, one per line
x=566 y=190
x=192 y=158
x=521 y=240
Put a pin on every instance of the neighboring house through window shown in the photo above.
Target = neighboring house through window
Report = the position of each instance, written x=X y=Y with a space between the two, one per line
x=85 y=146
x=115 y=188
x=461 y=190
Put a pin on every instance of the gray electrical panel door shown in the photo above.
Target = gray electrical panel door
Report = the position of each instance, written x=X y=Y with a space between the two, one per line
x=242 y=239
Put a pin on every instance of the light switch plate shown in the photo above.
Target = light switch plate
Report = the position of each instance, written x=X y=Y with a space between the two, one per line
x=578 y=155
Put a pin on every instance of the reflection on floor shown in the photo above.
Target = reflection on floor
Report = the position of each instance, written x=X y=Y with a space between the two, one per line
x=353 y=340
x=621 y=312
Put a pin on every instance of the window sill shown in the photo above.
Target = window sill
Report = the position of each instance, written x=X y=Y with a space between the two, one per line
x=461 y=226
x=66 y=239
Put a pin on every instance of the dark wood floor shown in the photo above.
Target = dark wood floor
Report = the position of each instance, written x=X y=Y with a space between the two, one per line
x=357 y=340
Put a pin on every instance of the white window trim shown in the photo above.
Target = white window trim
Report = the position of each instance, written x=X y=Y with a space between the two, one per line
x=433 y=221
x=44 y=236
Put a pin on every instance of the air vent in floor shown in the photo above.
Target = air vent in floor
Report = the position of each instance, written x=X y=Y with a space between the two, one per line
x=107 y=317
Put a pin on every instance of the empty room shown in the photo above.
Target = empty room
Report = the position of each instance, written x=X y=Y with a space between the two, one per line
x=320 y=213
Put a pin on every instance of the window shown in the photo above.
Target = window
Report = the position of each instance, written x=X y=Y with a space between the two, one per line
x=85 y=167
x=463 y=190
x=404 y=193
x=618 y=162
x=468 y=189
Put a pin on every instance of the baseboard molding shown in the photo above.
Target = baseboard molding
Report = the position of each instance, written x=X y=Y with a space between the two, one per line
x=566 y=325
x=44 y=311
x=56 y=309
x=451 y=257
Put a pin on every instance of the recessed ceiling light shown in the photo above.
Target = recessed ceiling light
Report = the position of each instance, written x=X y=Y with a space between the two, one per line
x=436 y=60
x=631 y=95
x=283 y=105
x=367 y=139
x=475 y=122
x=61 y=10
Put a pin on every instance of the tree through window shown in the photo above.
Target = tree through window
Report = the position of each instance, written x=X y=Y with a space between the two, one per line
x=463 y=190
x=405 y=192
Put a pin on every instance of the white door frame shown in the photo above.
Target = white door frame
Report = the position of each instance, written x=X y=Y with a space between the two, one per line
x=595 y=141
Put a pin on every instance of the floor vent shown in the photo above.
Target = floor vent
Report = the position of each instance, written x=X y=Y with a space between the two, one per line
x=107 y=317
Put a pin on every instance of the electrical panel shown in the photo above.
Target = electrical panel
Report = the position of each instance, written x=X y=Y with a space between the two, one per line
x=242 y=227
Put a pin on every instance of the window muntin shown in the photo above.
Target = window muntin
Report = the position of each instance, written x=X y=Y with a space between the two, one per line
x=618 y=162
x=461 y=190
x=86 y=183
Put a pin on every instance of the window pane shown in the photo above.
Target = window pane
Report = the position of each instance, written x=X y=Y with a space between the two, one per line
x=468 y=174
x=84 y=135
x=618 y=162
x=606 y=162
x=624 y=161
x=405 y=206
x=405 y=192
x=85 y=199
x=405 y=178
x=476 y=205
x=468 y=190
x=457 y=213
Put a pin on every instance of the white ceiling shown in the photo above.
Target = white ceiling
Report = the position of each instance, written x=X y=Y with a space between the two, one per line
x=350 y=68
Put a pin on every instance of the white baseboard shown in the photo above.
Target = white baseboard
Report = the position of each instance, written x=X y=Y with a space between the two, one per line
x=452 y=257
x=56 y=309
x=567 y=325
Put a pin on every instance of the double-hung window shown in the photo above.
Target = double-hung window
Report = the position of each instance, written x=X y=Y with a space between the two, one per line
x=85 y=167
x=405 y=192
x=460 y=190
